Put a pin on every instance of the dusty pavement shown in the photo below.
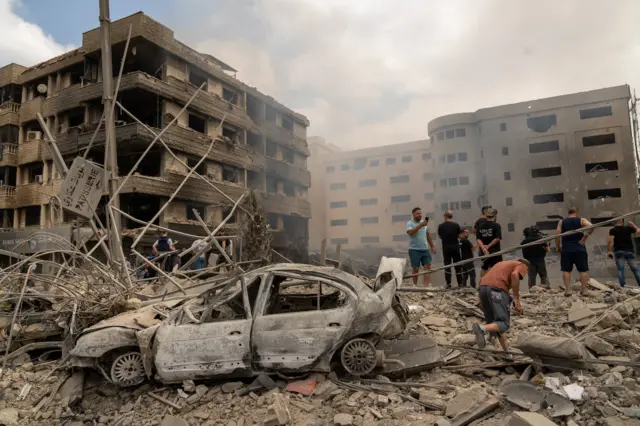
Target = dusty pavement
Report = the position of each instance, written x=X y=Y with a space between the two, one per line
x=466 y=389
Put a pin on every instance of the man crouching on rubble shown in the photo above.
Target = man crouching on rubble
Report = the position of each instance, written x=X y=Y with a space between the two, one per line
x=496 y=301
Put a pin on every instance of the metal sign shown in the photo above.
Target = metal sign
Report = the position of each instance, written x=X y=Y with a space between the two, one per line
x=82 y=187
x=27 y=242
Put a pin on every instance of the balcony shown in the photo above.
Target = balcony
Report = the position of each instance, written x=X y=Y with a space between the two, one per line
x=9 y=114
x=34 y=194
x=284 y=204
x=284 y=137
x=31 y=151
x=7 y=197
x=30 y=109
x=9 y=154
x=287 y=171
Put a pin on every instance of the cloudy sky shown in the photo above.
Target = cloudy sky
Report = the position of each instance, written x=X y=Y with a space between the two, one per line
x=372 y=72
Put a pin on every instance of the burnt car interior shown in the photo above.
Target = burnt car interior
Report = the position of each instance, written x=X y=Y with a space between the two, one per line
x=289 y=294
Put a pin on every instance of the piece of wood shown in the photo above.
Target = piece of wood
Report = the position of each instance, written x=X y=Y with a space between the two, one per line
x=164 y=400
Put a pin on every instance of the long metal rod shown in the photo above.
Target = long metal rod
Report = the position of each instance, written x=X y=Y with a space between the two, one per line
x=215 y=242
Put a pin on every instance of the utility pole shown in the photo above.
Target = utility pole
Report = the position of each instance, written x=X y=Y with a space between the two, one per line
x=111 y=150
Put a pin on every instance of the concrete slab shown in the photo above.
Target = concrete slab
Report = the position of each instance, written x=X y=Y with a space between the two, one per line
x=524 y=418
x=417 y=354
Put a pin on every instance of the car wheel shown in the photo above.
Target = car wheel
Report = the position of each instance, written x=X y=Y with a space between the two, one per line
x=128 y=370
x=358 y=357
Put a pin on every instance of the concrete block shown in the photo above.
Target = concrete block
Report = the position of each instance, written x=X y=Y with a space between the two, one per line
x=525 y=418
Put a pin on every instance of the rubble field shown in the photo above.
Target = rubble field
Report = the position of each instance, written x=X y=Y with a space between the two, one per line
x=573 y=361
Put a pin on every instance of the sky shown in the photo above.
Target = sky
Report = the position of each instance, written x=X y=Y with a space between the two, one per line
x=372 y=72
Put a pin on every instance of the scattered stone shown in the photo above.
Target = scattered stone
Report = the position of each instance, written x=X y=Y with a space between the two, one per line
x=382 y=401
x=230 y=387
x=524 y=418
x=72 y=389
x=465 y=401
x=171 y=421
x=524 y=322
x=598 y=345
x=343 y=419
x=611 y=319
x=188 y=386
x=439 y=322
x=9 y=416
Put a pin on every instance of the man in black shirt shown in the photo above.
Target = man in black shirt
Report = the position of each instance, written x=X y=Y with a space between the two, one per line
x=621 y=247
x=448 y=231
x=466 y=253
x=489 y=234
x=535 y=255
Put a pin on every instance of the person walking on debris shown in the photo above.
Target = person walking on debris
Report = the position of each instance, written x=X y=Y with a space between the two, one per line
x=572 y=250
x=419 y=254
x=198 y=246
x=535 y=255
x=164 y=244
x=449 y=231
x=466 y=253
x=620 y=246
x=496 y=301
x=489 y=234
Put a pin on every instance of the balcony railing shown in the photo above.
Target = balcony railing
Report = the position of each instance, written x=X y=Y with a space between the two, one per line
x=8 y=107
x=9 y=148
x=6 y=190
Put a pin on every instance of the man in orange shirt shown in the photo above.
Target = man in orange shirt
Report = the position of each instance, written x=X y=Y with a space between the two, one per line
x=495 y=300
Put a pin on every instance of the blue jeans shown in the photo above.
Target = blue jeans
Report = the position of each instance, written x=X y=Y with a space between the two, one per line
x=199 y=263
x=630 y=258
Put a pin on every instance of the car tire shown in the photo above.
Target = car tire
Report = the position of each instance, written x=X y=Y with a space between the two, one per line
x=358 y=357
x=127 y=369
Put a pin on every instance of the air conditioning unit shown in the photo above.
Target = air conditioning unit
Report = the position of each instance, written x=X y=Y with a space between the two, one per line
x=38 y=178
x=34 y=135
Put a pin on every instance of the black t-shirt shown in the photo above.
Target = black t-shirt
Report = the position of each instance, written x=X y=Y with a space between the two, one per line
x=466 y=249
x=536 y=252
x=489 y=231
x=448 y=233
x=478 y=223
x=622 y=238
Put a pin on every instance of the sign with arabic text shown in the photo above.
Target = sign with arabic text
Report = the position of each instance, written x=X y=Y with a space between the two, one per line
x=82 y=187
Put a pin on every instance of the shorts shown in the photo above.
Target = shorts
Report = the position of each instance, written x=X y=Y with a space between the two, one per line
x=578 y=258
x=491 y=261
x=419 y=258
x=496 y=307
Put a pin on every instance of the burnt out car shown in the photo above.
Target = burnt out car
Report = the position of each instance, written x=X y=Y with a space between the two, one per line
x=284 y=318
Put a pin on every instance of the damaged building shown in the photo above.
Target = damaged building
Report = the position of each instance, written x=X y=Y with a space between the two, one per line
x=260 y=145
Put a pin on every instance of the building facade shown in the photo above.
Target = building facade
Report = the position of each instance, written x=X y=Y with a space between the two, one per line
x=534 y=160
x=259 y=143
x=368 y=194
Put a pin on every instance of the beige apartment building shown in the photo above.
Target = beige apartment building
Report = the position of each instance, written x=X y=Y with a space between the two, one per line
x=366 y=195
x=534 y=160
x=260 y=145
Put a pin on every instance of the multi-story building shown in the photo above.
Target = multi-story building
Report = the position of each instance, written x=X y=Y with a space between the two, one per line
x=260 y=145
x=534 y=160
x=369 y=194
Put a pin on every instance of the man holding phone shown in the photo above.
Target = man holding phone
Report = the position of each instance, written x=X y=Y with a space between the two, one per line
x=419 y=254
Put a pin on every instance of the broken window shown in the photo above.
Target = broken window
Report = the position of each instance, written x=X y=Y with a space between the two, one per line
x=511 y=227
x=369 y=202
x=603 y=166
x=255 y=142
x=462 y=156
x=288 y=295
x=337 y=241
x=289 y=189
x=454 y=205
x=369 y=240
x=226 y=211
x=443 y=183
x=597 y=140
x=368 y=220
x=339 y=222
x=444 y=206
x=197 y=123
x=541 y=124
x=426 y=156
x=604 y=111
x=453 y=182
x=272 y=186
x=192 y=162
x=427 y=176
x=461 y=133
x=197 y=78
x=287 y=123
x=595 y=220
x=32 y=216
x=344 y=167
x=374 y=163
x=450 y=134
x=399 y=179
x=548 y=198
x=269 y=113
x=338 y=185
x=359 y=163
x=466 y=205
x=76 y=117
x=330 y=169
x=400 y=198
x=463 y=180
x=546 y=172
x=594 y=194
x=509 y=201
x=337 y=204
x=547 y=225
x=229 y=95
x=367 y=183
x=288 y=156
x=451 y=158
x=273 y=220
x=230 y=133
x=400 y=217
x=503 y=127
x=390 y=161
x=406 y=158
x=224 y=306
x=231 y=174
x=440 y=136
x=538 y=147
x=505 y=150
x=192 y=216
x=400 y=237
x=507 y=175
x=272 y=149
x=34 y=172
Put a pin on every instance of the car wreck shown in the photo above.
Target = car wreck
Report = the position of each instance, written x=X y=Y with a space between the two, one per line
x=284 y=318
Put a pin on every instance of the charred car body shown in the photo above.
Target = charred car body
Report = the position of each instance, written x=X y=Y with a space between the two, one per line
x=284 y=318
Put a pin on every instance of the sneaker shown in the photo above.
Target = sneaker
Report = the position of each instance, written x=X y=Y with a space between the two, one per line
x=480 y=340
